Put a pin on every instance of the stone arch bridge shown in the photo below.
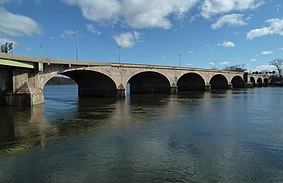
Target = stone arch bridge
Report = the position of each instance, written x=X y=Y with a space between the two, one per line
x=22 y=79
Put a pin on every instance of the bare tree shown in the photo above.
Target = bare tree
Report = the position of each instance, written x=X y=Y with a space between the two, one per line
x=278 y=63
x=238 y=68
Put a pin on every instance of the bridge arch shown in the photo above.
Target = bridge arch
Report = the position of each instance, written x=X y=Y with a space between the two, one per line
x=238 y=82
x=259 y=82
x=90 y=83
x=149 y=82
x=252 y=79
x=93 y=83
x=191 y=82
x=218 y=81
x=265 y=81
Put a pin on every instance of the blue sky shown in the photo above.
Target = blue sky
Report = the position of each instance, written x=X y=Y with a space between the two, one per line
x=206 y=33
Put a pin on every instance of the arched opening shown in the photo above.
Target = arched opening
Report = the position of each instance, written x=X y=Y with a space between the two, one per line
x=149 y=82
x=59 y=89
x=265 y=82
x=252 y=79
x=191 y=82
x=93 y=84
x=218 y=82
x=60 y=80
x=259 y=82
x=238 y=82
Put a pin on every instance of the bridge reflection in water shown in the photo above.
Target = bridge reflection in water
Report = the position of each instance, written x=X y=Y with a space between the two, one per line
x=64 y=114
x=192 y=136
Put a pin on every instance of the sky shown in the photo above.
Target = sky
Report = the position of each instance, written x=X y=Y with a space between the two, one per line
x=190 y=33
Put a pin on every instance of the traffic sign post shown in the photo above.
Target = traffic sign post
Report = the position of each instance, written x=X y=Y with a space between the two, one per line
x=5 y=48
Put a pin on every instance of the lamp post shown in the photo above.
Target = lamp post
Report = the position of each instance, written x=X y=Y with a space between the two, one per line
x=41 y=50
x=77 y=51
x=119 y=52
x=77 y=45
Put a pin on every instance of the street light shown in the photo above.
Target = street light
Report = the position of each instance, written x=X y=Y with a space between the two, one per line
x=41 y=50
x=119 y=52
x=77 y=45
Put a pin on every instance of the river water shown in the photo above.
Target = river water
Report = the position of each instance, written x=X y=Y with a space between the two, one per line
x=218 y=136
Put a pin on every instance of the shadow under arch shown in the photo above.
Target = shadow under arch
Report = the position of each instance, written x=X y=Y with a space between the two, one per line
x=252 y=79
x=191 y=82
x=92 y=84
x=149 y=82
x=259 y=82
x=218 y=82
x=238 y=82
x=265 y=81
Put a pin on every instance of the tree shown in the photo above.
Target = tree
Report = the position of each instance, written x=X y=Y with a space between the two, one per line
x=238 y=68
x=278 y=63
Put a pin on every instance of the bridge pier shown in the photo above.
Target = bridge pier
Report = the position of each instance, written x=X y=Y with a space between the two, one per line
x=174 y=90
x=230 y=86
x=249 y=85
x=207 y=87
x=24 y=96
x=121 y=91
x=17 y=88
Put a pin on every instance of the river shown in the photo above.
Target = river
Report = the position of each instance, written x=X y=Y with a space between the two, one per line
x=218 y=136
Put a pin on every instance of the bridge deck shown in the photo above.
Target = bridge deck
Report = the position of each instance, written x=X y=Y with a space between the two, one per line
x=32 y=62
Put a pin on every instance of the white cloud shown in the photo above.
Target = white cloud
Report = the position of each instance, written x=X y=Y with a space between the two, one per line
x=227 y=44
x=269 y=68
x=38 y=1
x=281 y=49
x=4 y=40
x=211 y=63
x=231 y=20
x=258 y=33
x=213 y=7
x=17 y=25
x=29 y=49
x=253 y=59
x=3 y=1
x=68 y=33
x=92 y=29
x=267 y=52
x=275 y=28
x=128 y=39
x=97 y=10
x=224 y=63
x=154 y=14
x=133 y=13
